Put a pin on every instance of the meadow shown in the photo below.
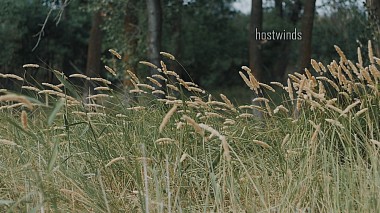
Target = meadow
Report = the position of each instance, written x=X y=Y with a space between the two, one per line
x=174 y=148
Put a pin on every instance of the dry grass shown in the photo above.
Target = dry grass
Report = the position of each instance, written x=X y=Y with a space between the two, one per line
x=190 y=151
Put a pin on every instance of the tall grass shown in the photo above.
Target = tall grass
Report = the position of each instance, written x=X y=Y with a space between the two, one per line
x=317 y=151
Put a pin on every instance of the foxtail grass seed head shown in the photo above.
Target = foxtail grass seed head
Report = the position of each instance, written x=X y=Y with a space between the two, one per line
x=13 y=76
x=114 y=161
x=194 y=124
x=17 y=98
x=285 y=140
x=110 y=70
x=280 y=107
x=168 y=55
x=133 y=76
x=277 y=84
x=290 y=90
x=341 y=54
x=155 y=92
x=31 y=88
x=146 y=86
x=163 y=141
x=266 y=86
x=24 y=119
x=54 y=87
x=262 y=144
x=30 y=66
x=357 y=114
x=8 y=142
x=167 y=117
x=172 y=87
x=77 y=75
x=102 y=89
x=154 y=81
x=376 y=142
x=334 y=122
x=148 y=64
x=370 y=52
x=158 y=76
x=116 y=54
x=360 y=59
x=315 y=65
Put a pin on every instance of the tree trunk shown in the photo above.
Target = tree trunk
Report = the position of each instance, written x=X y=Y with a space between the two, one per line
x=306 y=29
x=374 y=16
x=255 y=62
x=93 y=66
x=154 y=32
x=176 y=38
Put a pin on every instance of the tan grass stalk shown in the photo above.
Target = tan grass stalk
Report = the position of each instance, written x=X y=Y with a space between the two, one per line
x=172 y=87
x=349 y=107
x=262 y=144
x=159 y=77
x=163 y=66
x=78 y=113
x=183 y=157
x=167 y=117
x=315 y=134
x=345 y=69
x=31 y=88
x=133 y=76
x=315 y=65
x=245 y=115
x=323 y=68
x=213 y=115
x=102 y=89
x=53 y=87
x=148 y=64
x=116 y=54
x=17 y=98
x=196 y=89
x=168 y=55
x=77 y=75
x=101 y=80
x=361 y=112
x=285 y=140
x=266 y=86
x=280 y=107
x=110 y=70
x=277 y=84
x=229 y=122
x=269 y=110
x=121 y=116
x=360 y=58
x=31 y=66
x=194 y=124
x=14 y=77
x=290 y=90
x=376 y=142
x=7 y=142
x=245 y=79
x=336 y=109
x=221 y=137
x=334 y=122
x=172 y=73
x=341 y=54
x=169 y=97
x=154 y=81
x=137 y=108
x=163 y=141
x=24 y=119
x=370 y=52
x=158 y=92
x=114 y=161
x=259 y=99
x=146 y=86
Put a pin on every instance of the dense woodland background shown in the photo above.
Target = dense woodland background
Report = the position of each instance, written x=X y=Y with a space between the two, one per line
x=210 y=38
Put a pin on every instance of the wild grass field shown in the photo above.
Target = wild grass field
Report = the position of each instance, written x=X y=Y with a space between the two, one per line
x=188 y=151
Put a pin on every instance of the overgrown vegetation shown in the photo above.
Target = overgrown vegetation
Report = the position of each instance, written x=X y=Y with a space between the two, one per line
x=318 y=150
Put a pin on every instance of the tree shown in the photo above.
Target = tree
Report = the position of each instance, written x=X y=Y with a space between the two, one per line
x=304 y=56
x=255 y=62
x=374 y=16
x=154 y=32
x=94 y=51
